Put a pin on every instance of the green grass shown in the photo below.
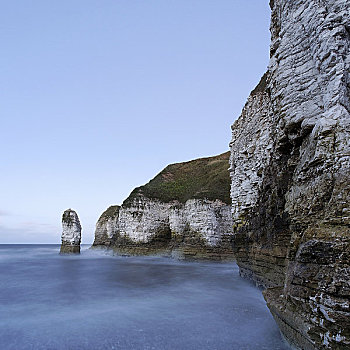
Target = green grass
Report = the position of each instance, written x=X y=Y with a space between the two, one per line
x=204 y=178
x=111 y=212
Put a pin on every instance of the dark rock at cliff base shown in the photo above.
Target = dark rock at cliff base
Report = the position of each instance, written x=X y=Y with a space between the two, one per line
x=290 y=171
x=183 y=212
x=71 y=233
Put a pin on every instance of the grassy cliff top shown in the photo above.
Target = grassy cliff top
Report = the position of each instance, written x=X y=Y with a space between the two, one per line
x=111 y=212
x=204 y=178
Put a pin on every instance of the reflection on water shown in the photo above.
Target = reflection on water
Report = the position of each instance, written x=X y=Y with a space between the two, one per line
x=98 y=301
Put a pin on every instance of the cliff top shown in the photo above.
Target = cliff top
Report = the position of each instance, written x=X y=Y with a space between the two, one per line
x=111 y=212
x=203 y=178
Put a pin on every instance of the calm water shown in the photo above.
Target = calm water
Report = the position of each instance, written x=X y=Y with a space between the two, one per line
x=97 y=301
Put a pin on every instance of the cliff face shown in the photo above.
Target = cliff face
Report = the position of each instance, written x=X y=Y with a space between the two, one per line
x=290 y=171
x=183 y=212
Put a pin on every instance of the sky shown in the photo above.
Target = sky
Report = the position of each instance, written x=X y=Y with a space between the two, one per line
x=98 y=96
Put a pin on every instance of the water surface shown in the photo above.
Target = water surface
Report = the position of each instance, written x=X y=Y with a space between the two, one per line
x=97 y=301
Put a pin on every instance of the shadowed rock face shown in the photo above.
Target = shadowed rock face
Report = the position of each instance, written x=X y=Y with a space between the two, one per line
x=183 y=212
x=290 y=174
x=71 y=232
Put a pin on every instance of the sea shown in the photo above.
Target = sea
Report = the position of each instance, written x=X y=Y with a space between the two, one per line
x=97 y=300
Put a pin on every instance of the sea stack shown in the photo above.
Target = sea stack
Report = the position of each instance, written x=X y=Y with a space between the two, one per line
x=71 y=233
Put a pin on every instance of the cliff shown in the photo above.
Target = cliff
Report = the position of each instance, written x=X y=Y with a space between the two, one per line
x=183 y=212
x=290 y=174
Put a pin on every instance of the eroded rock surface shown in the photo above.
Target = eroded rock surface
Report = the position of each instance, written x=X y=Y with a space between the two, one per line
x=71 y=232
x=183 y=212
x=290 y=171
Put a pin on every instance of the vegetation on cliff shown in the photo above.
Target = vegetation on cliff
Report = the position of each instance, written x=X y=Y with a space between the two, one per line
x=261 y=87
x=111 y=212
x=204 y=178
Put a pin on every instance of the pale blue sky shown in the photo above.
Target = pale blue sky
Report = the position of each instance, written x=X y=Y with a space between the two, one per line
x=98 y=96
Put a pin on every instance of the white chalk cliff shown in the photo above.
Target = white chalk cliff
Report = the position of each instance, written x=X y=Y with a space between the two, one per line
x=290 y=172
x=162 y=218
